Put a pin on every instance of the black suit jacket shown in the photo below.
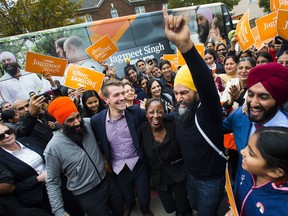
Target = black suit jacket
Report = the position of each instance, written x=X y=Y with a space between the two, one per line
x=28 y=190
x=134 y=117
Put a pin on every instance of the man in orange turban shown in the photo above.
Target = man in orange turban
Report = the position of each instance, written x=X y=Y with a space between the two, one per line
x=74 y=152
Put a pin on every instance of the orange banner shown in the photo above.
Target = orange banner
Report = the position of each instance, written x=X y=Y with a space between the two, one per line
x=181 y=60
x=258 y=43
x=78 y=76
x=173 y=58
x=102 y=49
x=282 y=24
x=267 y=26
x=229 y=191
x=243 y=32
x=38 y=63
x=281 y=4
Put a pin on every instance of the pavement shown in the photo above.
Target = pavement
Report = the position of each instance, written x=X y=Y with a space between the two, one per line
x=158 y=210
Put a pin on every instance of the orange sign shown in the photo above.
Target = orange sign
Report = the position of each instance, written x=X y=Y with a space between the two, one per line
x=281 y=4
x=37 y=63
x=243 y=32
x=258 y=43
x=200 y=48
x=229 y=191
x=181 y=60
x=267 y=26
x=282 y=24
x=173 y=58
x=272 y=5
x=102 y=49
x=78 y=76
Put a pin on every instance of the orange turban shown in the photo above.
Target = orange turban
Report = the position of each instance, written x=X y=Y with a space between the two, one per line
x=61 y=108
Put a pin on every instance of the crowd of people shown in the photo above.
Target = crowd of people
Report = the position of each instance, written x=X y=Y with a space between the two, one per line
x=67 y=151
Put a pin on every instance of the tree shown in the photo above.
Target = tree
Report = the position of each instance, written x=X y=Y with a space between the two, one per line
x=265 y=4
x=23 y=16
x=184 y=3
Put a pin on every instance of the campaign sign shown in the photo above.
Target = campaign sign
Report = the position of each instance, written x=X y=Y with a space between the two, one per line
x=42 y=64
x=78 y=76
x=282 y=24
x=243 y=32
x=267 y=26
x=102 y=49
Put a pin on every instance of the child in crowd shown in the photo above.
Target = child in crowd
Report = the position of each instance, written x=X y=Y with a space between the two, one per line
x=262 y=187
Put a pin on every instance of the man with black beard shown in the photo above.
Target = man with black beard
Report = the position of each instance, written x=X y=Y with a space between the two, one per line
x=204 y=18
x=197 y=97
x=74 y=152
x=267 y=92
x=16 y=83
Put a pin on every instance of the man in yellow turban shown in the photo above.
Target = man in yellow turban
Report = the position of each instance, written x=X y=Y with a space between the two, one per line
x=197 y=97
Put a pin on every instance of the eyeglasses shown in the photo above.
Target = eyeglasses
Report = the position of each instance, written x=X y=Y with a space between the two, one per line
x=8 y=132
x=23 y=107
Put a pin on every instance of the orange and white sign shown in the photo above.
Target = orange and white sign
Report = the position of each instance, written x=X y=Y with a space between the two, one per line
x=258 y=43
x=38 y=63
x=173 y=58
x=282 y=24
x=244 y=33
x=267 y=26
x=102 y=49
x=281 y=4
x=78 y=76
x=229 y=191
x=272 y=5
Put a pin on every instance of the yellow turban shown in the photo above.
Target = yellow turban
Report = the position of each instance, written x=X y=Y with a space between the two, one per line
x=184 y=78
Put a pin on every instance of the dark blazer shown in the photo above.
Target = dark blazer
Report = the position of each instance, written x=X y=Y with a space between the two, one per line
x=134 y=116
x=27 y=189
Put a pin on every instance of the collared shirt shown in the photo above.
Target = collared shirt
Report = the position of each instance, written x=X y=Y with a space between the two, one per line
x=29 y=157
x=280 y=119
x=123 y=150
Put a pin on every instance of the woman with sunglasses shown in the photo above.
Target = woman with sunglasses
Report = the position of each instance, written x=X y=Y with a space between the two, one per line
x=24 y=158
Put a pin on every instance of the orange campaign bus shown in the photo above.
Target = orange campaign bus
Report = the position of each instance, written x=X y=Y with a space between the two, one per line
x=137 y=37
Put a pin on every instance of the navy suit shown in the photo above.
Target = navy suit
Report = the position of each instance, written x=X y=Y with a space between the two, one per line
x=27 y=188
x=126 y=178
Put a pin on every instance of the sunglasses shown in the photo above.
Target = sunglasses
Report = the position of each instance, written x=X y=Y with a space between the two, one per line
x=8 y=132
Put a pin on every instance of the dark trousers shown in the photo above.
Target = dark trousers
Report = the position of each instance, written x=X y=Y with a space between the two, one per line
x=100 y=199
x=175 y=198
x=126 y=180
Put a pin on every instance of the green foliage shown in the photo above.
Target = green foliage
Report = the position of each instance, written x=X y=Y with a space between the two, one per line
x=184 y=3
x=34 y=15
x=265 y=4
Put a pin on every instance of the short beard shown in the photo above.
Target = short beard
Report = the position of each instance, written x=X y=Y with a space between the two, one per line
x=75 y=136
x=12 y=68
x=268 y=114
x=185 y=115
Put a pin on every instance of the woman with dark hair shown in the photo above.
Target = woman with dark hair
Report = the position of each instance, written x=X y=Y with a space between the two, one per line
x=221 y=51
x=167 y=173
x=156 y=72
x=230 y=67
x=92 y=103
x=262 y=187
x=130 y=72
x=210 y=57
x=283 y=59
x=130 y=96
x=264 y=58
x=233 y=95
x=154 y=90
x=143 y=83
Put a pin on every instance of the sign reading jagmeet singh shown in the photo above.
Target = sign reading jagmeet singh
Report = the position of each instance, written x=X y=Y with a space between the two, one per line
x=38 y=63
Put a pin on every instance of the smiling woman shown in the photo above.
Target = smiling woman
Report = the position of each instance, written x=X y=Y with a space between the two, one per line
x=24 y=158
x=167 y=173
